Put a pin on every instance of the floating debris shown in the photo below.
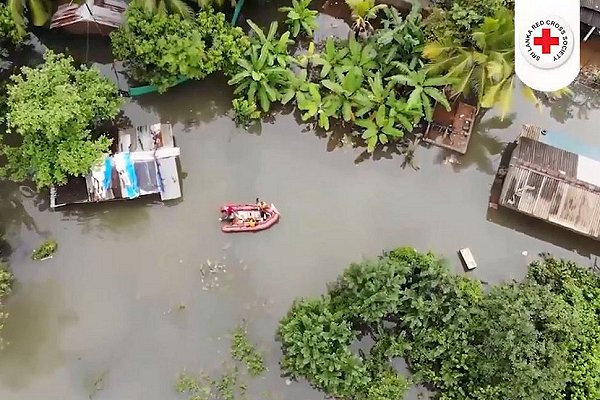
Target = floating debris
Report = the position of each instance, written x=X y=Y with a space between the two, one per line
x=209 y=272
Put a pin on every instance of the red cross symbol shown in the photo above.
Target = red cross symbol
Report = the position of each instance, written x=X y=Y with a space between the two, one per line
x=546 y=41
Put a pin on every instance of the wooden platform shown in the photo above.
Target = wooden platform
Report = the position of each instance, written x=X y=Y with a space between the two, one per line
x=451 y=129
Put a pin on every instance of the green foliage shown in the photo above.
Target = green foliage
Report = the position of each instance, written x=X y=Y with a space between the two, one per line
x=196 y=389
x=245 y=111
x=486 y=70
x=400 y=39
x=242 y=350
x=388 y=385
x=346 y=80
x=315 y=343
x=362 y=12
x=300 y=18
x=39 y=12
x=9 y=31
x=458 y=21
x=54 y=109
x=160 y=49
x=425 y=88
x=262 y=72
x=538 y=339
x=45 y=250
x=581 y=289
x=6 y=280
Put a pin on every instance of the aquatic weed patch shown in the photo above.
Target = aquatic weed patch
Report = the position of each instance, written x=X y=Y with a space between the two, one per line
x=242 y=350
x=45 y=250
x=230 y=384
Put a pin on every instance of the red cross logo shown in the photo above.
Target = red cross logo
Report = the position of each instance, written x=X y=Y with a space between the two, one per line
x=546 y=41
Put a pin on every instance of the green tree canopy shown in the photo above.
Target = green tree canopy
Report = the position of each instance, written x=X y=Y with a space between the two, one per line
x=534 y=340
x=52 y=113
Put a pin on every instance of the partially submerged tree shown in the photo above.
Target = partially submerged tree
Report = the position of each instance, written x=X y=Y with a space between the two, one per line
x=535 y=340
x=54 y=111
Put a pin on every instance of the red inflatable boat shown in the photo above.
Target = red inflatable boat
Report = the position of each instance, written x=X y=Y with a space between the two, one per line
x=249 y=218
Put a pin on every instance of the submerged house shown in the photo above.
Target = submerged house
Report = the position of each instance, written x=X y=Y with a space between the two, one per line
x=144 y=163
x=553 y=177
x=451 y=129
x=93 y=17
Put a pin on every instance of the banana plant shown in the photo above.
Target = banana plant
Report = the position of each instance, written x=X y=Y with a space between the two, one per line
x=314 y=106
x=425 y=87
x=307 y=58
x=330 y=59
x=362 y=12
x=300 y=17
x=376 y=94
x=400 y=39
x=245 y=111
x=359 y=55
x=278 y=47
x=260 y=79
x=380 y=128
x=346 y=88
x=297 y=83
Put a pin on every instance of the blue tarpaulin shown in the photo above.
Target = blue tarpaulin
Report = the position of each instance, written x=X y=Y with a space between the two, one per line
x=132 y=190
x=107 y=172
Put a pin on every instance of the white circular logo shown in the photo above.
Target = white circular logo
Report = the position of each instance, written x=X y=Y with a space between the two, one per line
x=547 y=42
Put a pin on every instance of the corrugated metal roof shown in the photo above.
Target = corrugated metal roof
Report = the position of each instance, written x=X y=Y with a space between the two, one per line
x=553 y=200
x=553 y=184
x=591 y=4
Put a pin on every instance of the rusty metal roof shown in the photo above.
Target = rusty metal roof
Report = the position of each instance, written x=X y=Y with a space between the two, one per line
x=553 y=184
x=103 y=12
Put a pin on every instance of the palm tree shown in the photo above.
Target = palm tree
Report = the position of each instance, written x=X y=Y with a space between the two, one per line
x=486 y=70
x=39 y=12
x=166 y=7
x=425 y=87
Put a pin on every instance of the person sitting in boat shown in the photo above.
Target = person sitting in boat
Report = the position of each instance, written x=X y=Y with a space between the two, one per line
x=229 y=215
x=251 y=222
x=263 y=208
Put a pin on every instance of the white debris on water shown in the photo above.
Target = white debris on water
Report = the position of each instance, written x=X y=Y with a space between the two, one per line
x=524 y=252
x=209 y=272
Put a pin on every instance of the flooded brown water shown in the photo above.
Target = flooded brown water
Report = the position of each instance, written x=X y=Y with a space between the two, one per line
x=106 y=307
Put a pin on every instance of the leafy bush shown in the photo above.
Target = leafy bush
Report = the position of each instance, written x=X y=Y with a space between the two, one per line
x=300 y=18
x=6 y=279
x=161 y=48
x=538 y=339
x=245 y=111
x=9 y=32
x=315 y=343
x=54 y=109
x=457 y=22
x=45 y=250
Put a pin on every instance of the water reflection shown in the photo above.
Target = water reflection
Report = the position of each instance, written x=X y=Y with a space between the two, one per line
x=483 y=147
x=544 y=231
x=33 y=331
x=13 y=214
x=127 y=216
x=207 y=100
x=583 y=101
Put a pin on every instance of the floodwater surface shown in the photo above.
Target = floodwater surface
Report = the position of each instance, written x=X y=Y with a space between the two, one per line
x=122 y=308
